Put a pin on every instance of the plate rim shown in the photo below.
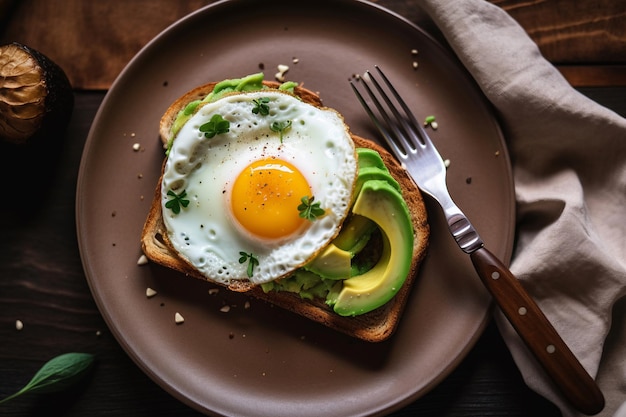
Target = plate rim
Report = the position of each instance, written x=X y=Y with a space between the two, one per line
x=80 y=222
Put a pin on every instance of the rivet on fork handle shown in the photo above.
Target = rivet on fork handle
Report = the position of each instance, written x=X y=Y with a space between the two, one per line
x=538 y=334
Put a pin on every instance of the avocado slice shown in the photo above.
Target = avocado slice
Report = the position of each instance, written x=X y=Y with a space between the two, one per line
x=374 y=173
x=354 y=234
x=334 y=261
x=331 y=263
x=371 y=167
x=369 y=158
x=383 y=204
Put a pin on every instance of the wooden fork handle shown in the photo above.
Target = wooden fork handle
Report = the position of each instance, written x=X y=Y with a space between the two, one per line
x=538 y=334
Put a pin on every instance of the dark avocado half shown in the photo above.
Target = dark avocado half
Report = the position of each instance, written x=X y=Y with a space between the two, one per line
x=36 y=104
x=36 y=98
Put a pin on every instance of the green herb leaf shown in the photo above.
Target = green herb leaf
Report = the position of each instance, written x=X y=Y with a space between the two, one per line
x=176 y=201
x=310 y=210
x=215 y=126
x=428 y=120
x=261 y=106
x=280 y=127
x=57 y=374
x=252 y=262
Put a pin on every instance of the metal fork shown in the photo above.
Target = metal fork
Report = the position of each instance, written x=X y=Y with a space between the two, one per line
x=412 y=146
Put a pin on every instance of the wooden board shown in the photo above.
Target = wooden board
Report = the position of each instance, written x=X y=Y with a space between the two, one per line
x=93 y=41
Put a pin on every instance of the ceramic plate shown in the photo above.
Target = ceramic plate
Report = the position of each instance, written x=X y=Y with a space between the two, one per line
x=255 y=359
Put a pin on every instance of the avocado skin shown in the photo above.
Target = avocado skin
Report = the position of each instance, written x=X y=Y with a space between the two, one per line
x=383 y=204
x=58 y=99
x=43 y=148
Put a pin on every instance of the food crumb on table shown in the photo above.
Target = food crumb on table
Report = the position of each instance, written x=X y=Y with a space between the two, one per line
x=178 y=318
x=282 y=70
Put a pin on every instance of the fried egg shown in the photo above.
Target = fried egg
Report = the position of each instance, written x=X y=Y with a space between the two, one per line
x=230 y=194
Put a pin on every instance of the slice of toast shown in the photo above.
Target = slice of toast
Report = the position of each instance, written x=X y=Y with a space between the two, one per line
x=374 y=326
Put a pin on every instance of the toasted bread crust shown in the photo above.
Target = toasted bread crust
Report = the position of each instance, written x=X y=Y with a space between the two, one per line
x=374 y=326
x=202 y=91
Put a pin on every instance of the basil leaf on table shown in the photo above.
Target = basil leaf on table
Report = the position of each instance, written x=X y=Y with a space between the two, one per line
x=57 y=374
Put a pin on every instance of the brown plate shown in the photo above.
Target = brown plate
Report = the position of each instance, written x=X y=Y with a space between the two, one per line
x=259 y=360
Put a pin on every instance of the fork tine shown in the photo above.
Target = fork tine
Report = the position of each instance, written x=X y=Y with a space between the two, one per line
x=380 y=125
x=414 y=124
x=418 y=129
x=400 y=127
x=397 y=141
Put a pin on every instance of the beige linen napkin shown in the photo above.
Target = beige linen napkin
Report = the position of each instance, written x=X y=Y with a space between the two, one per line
x=569 y=163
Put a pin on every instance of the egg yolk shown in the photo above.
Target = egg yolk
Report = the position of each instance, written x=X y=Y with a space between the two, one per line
x=266 y=196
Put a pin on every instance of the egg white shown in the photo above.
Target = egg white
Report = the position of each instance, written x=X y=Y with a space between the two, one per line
x=318 y=144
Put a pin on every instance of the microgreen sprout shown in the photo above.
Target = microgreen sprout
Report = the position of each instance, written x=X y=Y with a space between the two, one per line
x=280 y=127
x=252 y=262
x=215 y=126
x=430 y=121
x=261 y=106
x=176 y=201
x=310 y=210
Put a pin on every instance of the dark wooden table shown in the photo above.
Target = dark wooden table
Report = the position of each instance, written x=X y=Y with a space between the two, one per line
x=42 y=284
